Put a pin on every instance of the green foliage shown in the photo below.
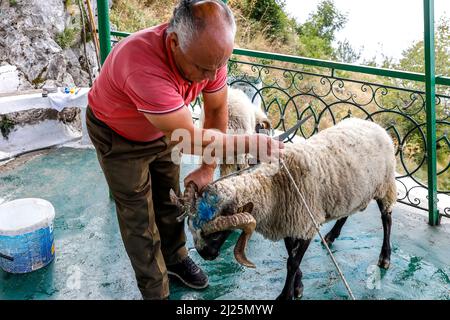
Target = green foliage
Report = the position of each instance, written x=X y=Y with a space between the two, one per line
x=413 y=60
x=413 y=57
x=346 y=53
x=66 y=38
x=317 y=34
x=324 y=23
x=12 y=3
x=6 y=126
x=270 y=14
x=37 y=81
x=40 y=78
x=132 y=16
x=315 y=47
x=86 y=26
x=314 y=38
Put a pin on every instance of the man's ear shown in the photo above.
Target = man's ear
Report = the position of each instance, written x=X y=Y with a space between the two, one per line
x=173 y=41
x=174 y=198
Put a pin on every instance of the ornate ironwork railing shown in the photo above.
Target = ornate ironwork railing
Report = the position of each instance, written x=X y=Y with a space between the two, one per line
x=289 y=92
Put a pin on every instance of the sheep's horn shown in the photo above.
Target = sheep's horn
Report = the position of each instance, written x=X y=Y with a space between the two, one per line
x=244 y=221
x=239 y=250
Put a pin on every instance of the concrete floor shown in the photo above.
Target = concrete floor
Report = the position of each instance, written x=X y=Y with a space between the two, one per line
x=91 y=262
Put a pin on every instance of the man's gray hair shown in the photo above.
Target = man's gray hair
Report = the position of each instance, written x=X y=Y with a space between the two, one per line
x=187 y=27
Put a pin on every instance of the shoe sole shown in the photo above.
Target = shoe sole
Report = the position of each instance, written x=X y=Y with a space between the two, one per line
x=187 y=284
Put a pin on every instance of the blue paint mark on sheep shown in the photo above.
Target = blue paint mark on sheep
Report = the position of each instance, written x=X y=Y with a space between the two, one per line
x=206 y=209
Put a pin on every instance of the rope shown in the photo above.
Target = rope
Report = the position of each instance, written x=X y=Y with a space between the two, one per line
x=93 y=29
x=316 y=226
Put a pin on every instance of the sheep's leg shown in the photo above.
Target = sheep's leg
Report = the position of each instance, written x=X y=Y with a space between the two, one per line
x=298 y=284
x=335 y=231
x=296 y=249
x=385 y=256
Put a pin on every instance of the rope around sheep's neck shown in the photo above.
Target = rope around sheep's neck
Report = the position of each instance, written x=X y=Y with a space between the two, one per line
x=316 y=226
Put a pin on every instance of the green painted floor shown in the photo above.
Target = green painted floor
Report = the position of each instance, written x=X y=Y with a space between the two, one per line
x=91 y=262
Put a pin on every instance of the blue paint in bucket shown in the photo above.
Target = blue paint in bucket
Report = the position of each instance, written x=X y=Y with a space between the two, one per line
x=26 y=235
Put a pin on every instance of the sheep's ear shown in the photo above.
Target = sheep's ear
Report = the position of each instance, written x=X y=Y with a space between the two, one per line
x=263 y=127
x=173 y=198
x=248 y=207
x=266 y=125
x=229 y=208
x=258 y=127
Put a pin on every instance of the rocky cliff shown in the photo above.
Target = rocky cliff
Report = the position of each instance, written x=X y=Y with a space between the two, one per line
x=41 y=45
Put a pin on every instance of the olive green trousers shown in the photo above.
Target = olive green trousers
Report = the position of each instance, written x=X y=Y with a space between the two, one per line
x=140 y=176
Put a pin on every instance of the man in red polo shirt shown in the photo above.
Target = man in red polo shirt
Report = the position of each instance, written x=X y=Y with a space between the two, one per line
x=139 y=99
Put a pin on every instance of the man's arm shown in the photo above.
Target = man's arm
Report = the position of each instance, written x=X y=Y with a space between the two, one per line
x=201 y=138
x=182 y=119
x=216 y=112
x=215 y=117
x=215 y=124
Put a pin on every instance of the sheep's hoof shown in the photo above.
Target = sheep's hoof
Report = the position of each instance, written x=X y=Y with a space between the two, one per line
x=384 y=263
x=298 y=292
x=329 y=240
x=283 y=296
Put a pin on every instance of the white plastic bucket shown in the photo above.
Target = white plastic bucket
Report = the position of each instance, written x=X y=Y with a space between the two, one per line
x=26 y=235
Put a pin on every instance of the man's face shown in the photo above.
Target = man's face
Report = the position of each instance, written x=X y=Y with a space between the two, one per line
x=202 y=58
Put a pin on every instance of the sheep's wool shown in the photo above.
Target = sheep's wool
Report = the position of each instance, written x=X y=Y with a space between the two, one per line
x=243 y=116
x=338 y=171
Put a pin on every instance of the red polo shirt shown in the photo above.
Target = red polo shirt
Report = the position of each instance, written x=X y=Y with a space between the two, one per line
x=139 y=76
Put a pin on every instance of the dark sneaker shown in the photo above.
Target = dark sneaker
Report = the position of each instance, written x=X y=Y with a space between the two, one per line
x=189 y=273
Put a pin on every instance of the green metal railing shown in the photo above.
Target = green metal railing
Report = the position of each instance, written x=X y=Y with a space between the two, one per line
x=405 y=103
x=104 y=29
x=430 y=79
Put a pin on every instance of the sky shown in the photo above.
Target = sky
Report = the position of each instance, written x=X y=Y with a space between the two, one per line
x=379 y=26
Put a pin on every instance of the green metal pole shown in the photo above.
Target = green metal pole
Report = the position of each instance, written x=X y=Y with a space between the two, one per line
x=430 y=84
x=104 y=33
x=104 y=29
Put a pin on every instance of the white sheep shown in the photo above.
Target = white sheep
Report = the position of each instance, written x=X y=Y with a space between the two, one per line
x=338 y=171
x=245 y=118
x=243 y=115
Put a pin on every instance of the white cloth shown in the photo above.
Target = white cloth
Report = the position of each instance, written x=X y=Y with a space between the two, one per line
x=59 y=100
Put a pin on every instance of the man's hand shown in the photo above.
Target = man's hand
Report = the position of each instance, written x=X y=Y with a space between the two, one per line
x=264 y=148
x=201 y=176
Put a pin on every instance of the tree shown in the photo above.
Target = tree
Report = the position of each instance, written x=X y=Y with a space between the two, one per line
x=346 y=53
x=271 y=14
x=414 y=58
x=324 y=22
x=317 y=34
